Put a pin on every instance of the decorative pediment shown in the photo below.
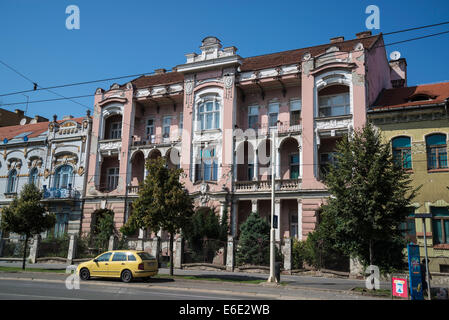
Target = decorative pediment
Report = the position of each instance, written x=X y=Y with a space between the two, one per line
x=67 y=158
x=14 y=163
x=35 y=162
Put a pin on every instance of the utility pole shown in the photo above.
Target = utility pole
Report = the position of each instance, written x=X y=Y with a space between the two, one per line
x=272 y=277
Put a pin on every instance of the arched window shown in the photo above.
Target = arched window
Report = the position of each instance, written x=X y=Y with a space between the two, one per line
x=402 y=152
x=33 y=176
x=12 y=182
x=208 y=115
x=63 y=177
x=436 y=151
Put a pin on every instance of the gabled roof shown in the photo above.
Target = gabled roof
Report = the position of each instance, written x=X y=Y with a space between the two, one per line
x=34 y=129
x=295 y=56
x=426 y=94
x=158 y=79
x=260 y=62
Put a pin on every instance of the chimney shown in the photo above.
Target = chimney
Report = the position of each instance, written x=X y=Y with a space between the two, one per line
x=363 y=34
x=398 y=73
x=20 y=112
x=337 y=39
x=160 y=71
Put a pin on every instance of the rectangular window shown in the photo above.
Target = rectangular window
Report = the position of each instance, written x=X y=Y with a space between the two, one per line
x=250 y=171
x=206 y=167
x=440 y=225
x=113 y=175
x=408 y=228
x=334 y=105
x=294 y=166
x=181 y=121
x=166 y=123
x=295 y=112
x=253 y=117
x=294 y=226
x=326 y=160
x=437 y=157
x=273 y=113
x=116 y=130
x=402 y=153
x=150 y=130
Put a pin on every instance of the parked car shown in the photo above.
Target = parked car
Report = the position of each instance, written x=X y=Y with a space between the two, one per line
x=123 y=264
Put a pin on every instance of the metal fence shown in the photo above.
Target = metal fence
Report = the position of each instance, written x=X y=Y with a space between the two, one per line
x=257 y=252
x=13 y=248
x=54 y=247
x=205 y=251
x=90 y=247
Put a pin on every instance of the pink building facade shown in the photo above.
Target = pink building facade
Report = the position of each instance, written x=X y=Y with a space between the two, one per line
x=214 y=117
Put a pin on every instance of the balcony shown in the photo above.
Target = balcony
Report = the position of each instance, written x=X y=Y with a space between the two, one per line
x=265 y=185
x=60 y=193
x=133 y=190
x=156 y=139
x=282 y=128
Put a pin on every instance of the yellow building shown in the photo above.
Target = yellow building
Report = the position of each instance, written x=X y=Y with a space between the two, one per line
x=415 y=120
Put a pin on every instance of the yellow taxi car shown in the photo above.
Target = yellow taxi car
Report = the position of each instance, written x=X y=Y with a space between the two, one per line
x=123 y=264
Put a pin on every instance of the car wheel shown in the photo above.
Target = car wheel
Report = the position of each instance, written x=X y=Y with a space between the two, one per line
x=126 y=276
x=84 y=274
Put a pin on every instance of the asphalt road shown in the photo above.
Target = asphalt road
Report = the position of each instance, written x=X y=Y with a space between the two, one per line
x=46 y=286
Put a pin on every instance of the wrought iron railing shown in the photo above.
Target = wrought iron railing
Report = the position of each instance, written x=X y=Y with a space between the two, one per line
x=59 y=193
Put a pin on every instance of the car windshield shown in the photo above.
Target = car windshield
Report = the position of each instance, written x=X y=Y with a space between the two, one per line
x=145 y=256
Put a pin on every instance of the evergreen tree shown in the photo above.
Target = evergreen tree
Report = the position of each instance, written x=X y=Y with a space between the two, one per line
x=27 y=216
x=254 y=243
x=370 y=196
x=163 y=203
x=205 y=224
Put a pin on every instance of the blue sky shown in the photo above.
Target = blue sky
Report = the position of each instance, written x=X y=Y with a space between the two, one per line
x=135 y=36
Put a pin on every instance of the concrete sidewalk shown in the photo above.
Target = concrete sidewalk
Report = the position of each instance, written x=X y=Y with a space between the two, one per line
x=303 y=281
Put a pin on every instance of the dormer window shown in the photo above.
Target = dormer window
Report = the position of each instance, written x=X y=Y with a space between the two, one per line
x=420 y=97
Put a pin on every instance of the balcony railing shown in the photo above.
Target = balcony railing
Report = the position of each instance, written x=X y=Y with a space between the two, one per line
x=133 y=190
x=282 y=127
x=156 y=140
x=59 y=193
x=265 y=185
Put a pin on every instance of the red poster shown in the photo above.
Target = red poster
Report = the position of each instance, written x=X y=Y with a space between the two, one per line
x=399 y=287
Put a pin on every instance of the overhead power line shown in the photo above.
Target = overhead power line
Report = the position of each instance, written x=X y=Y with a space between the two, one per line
x=416 y=28
x=37 y=88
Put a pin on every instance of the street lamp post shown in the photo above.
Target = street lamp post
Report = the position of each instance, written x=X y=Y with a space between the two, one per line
x=423 y=216
x=272 y=277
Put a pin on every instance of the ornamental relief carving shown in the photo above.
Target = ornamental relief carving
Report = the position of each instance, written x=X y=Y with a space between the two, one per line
x=333 y=124
x=65 y=159
x=110 y=145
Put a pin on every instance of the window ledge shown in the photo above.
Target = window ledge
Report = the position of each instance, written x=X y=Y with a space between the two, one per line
x=438 y=170
x=444 y=246
x=205 y=181
x=207 y=131
x=344 y=116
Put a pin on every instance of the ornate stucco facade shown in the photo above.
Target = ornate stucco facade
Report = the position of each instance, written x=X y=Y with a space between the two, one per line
x=214 y=115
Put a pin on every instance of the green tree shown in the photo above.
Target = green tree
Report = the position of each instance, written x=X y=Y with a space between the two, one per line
x=370 y=196
x=254 y=242
x=163 y=203
x=27 y=216
x=205 y=223
x=103 y=228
